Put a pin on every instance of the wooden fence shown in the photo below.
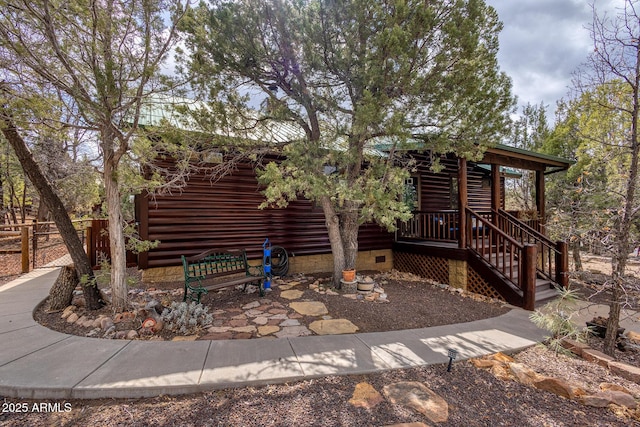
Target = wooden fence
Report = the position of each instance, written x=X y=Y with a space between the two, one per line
x=33 y=239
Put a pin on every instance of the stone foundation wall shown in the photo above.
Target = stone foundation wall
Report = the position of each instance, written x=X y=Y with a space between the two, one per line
x=379 y=260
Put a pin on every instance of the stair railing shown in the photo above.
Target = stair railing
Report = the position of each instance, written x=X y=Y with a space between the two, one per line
x=514 y=260
x=552 y=261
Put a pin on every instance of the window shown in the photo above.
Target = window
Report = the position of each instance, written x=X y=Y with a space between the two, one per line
x=412 y=193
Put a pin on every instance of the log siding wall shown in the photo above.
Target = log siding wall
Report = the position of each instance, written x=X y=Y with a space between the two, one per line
x=225 y=214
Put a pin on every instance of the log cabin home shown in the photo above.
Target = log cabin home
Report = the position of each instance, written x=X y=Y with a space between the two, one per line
x=460 y=233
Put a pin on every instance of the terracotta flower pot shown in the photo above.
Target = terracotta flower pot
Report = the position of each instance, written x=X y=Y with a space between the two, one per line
x=349 y=275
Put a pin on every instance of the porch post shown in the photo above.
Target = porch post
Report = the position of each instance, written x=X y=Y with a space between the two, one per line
x=528 y=276
x=462 y=202
x=496 y=196
x=540 y=200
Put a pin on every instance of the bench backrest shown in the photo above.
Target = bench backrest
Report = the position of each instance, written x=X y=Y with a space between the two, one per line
x=215 y=262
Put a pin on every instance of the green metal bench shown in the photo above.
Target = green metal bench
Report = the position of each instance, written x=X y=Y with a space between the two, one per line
x=217 y=269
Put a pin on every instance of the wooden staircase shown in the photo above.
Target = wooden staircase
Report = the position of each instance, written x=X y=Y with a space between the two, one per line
x=525 y=268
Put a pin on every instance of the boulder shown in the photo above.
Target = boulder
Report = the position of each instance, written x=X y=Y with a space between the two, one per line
x=72 y=318
x=558 y=387
x=523 y=374
x=417 y=396
x=604 y=398
x=614 y=387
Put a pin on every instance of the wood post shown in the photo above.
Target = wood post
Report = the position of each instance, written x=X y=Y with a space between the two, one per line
x=462 y=202
x=91 y=253
x=35 y=242
x=496 y=202
x=562 y=264
x=528 y=276
x=25 y=249
x=540 y=200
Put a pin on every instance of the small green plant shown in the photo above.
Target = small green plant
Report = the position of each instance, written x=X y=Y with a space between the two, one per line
x=186 y=318
x=555 y=317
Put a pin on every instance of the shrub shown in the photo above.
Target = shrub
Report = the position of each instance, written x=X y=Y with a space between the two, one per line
x=186 y=318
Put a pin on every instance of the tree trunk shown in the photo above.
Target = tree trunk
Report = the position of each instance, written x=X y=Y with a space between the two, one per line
x=61 y=292
x=611 y=337
x=56 y=207
x=349 y=234
x=622 y=242
x=116 y=238
x=337 y=247
x=575 y=250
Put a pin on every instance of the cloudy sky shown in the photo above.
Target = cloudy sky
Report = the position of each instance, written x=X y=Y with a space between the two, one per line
x=543 y=42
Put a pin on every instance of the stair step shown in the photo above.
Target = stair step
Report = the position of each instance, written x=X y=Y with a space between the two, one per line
x=545 y=296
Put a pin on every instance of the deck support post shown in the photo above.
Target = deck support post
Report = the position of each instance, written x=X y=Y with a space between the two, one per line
x=528 y=276
x=496 y=197
x=540 y=200
x=462 y=202
x=562 y=264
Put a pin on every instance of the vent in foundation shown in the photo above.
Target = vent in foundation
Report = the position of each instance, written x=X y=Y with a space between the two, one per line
x=381 y=259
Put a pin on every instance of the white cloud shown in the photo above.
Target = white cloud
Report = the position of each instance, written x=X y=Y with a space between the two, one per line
x=543 y=43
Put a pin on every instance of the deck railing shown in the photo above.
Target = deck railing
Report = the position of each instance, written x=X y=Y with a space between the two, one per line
x=431 y=225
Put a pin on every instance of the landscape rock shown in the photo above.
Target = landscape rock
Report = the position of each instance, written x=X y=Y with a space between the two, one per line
x=78 y=301
x=261 y=320
x=603 y=399
x=417 y=396
x=626 y=371
x=501 y=371
x=158 y=326
x=309 y=308
x=633 y=336
x=596 y=356
x=556 y=386
x=293 y=331
x=185 y=338
x=73 y=317
x=290 y=322
x=124 y=317
x=614 y=387
x=251 y=305
x=501 y=357
x=67 y=311
x=292 y=294
x=574 y=346
x=245 y=329
x=365 y=396
x=333 y=327
x=267 y=330
x=484 y=363
x=106 y=323
x=523 y=374
x=132 y=335
x=97 y=322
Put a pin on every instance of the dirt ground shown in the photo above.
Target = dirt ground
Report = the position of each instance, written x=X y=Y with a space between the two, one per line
x=475 y=397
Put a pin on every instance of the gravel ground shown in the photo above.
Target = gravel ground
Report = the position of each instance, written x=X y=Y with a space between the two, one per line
x=475 y=397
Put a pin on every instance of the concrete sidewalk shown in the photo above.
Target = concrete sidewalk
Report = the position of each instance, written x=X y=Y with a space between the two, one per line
x=38 y=363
